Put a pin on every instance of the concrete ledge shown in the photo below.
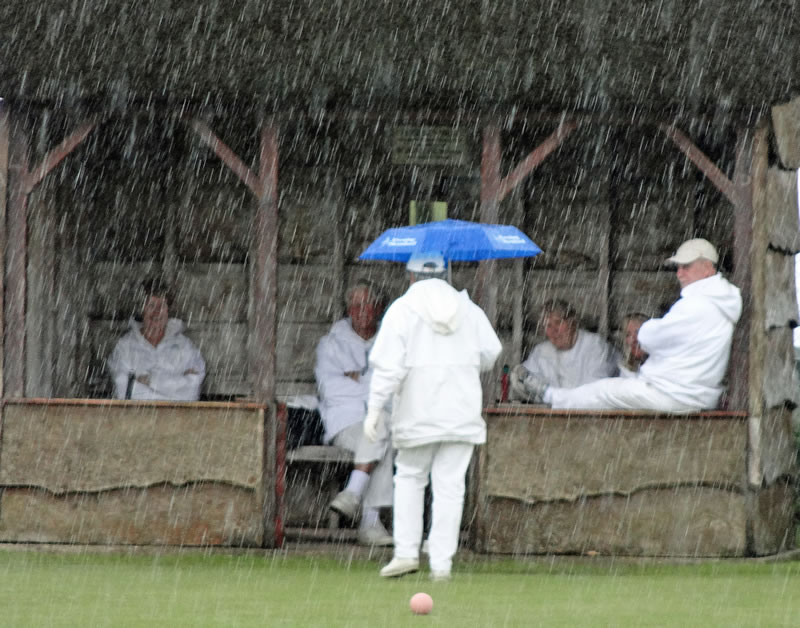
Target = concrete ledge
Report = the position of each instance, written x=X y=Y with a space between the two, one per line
x=320 y=453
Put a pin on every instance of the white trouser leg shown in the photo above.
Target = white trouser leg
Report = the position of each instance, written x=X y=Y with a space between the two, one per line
x=616 y=393
x=448 y=473
x=379 y=490
x=379 y=493
x=413 y=465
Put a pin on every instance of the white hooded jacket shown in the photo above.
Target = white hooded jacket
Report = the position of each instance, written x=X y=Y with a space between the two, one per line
x=690 y=346
x=342 y=400
x=165 y=364
x=427 y=358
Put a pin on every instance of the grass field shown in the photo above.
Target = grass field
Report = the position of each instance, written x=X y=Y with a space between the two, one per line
x=86 y=589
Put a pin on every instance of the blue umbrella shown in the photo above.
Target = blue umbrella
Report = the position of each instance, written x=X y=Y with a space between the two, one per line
x=456 y=240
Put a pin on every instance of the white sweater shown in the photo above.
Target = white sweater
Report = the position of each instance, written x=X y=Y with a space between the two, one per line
x=589 y=359
x=428 y=354
x=690 y=346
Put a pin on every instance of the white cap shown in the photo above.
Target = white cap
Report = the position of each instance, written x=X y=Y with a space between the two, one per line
x=692 y=250
x=426 y=263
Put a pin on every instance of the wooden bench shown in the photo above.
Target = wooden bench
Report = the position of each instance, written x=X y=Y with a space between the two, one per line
x=309 y=479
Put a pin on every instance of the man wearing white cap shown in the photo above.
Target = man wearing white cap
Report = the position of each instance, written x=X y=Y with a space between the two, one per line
x=430 y=349
x=688 y=347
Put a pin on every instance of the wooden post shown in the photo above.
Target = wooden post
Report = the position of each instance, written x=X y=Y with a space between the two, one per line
x=263 y=310
x=518 y=286
x=22 y=179
x=16 y=261
x=485 y=280
x=264 y=278
x=751 y=326
x=333 y=197
x=4 y=134
x=264 y=270
x=739 y=372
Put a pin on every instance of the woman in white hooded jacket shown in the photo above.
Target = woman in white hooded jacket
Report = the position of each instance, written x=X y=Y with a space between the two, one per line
x=427 y=358
x=154 y=360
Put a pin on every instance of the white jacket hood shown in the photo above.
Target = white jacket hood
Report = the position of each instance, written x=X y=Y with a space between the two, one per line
x=726 y=297
x=690 y=345
x=437 y=303
x=427 y=358
x=175 y=326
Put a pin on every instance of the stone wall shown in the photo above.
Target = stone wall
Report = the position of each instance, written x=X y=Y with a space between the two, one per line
x=614 y=483
x=138 y=473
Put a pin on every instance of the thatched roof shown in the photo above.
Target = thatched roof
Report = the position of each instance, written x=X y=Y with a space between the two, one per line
x=660 y=57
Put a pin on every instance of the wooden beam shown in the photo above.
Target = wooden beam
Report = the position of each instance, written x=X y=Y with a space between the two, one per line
x=718 y=179
x=16 y=262
x=535 y=158
x=57 y=154
x=228 y=157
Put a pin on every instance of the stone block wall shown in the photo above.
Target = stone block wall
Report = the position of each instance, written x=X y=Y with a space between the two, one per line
x=134 y=473
x=618 y=483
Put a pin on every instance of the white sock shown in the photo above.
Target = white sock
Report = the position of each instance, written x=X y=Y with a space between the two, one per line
x=547 y=396
x=357 y=482
x=369 y=518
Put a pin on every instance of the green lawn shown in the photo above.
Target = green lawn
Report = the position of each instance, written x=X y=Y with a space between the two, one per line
x=43 y=589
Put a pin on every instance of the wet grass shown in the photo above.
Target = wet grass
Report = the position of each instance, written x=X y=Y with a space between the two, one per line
x=43 y=589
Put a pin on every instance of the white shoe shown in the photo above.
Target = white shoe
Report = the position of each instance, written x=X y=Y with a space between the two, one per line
x=440 y=576
x=375 y=536
x=346 y=503
x=426 y=548
x=400 y=567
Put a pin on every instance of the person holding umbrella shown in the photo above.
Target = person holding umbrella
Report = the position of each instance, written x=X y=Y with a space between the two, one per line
x=427 y=358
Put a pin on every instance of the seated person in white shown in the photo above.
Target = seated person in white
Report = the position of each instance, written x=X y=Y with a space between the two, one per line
x=633 y=356
x=154 y=360
x=343 y=375
x=688 y=348
x=569 y=357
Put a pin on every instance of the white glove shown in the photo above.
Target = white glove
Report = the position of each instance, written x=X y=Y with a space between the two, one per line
x=372 y=423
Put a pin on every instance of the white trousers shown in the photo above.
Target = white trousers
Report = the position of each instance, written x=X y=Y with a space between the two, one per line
x=379 y=489
x=616 y=393
x=446 y=463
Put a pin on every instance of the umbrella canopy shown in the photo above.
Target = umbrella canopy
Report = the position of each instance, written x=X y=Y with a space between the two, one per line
x=456 y=240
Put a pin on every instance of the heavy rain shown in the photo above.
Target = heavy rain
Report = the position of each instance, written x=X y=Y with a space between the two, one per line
x=187 y=190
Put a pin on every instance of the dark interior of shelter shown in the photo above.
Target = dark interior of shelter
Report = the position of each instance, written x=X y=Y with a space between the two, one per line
x=142 y=195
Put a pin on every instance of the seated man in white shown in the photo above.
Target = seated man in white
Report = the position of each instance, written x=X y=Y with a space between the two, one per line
x=154 y=360
x=343 y=375
x=688 y=348
x=569 y=357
